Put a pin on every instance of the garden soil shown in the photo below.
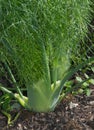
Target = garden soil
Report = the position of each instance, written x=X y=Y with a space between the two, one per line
x=73 y=113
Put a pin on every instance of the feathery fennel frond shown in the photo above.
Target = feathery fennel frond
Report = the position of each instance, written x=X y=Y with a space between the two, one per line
x=43 y=35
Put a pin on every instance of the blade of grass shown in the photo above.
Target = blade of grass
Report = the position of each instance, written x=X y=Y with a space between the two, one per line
x=6 y=90
x=13 y=79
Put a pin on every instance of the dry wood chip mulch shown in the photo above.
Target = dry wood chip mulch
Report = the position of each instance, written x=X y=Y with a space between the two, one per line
x=73 y=113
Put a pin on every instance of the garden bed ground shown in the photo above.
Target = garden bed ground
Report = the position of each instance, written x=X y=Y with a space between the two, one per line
x=73 y=113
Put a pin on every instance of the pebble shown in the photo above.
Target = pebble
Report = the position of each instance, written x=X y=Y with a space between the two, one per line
x=91 y=102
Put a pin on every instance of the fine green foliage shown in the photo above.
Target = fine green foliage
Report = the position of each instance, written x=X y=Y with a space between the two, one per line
x=39 y=37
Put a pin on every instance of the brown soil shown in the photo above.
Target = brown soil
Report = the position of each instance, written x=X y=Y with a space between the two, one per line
x=73 y=113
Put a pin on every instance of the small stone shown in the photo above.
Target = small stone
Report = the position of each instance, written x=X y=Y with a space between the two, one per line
x=91 y=102
x=25 y=128
x=19 y=127
x=73 y=105
x=57 y=120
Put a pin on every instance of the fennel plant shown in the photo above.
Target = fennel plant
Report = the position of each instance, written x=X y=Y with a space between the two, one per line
x=39 y=37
